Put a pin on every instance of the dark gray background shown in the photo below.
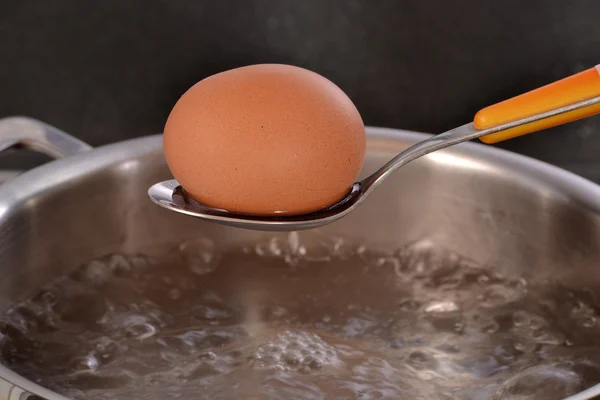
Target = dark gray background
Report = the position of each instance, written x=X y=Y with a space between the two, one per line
x=112 y=69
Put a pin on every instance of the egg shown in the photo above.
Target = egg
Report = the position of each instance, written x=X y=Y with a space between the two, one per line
x=265 y=140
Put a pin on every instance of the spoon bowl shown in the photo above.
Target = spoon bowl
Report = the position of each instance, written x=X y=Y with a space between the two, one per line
x=169 y=194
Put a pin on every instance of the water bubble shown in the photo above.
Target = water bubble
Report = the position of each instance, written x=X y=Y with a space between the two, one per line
x=490 y=328
x=521 y=318
x=483 y=279
x=589 y=322
x=119 y=263
x=409 y=304
x=207 y=313
x=536 y=322
x=276 y=247
x=287 y=247
x=548 y=337
x=292 y=359
x=174 y=293
x=459 y=326
x=442 y=307
x=310 y=364
x=140 y=331
x=294 y=242
x=579 y=308
x=544 y=382
x=47 y=300
x=357 y=326
x=106 y=349
x=200 y=255
x=421 y=360
x=87 y=363
x=96 y=273
x=295 y=350
x=584 y=314
x=320 y=250
x=498 y=295
x=524 y=346
x=277 y=311
x=390 y=262
x=140 y=261
x=208 y=357
x=344 y=249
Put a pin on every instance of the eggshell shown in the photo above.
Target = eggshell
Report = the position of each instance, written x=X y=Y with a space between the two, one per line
x=265 y=139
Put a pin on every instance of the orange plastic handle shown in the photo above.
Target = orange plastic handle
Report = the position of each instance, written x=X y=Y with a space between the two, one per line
x=581 y=86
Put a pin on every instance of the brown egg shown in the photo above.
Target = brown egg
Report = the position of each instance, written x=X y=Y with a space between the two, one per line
x=265 y=139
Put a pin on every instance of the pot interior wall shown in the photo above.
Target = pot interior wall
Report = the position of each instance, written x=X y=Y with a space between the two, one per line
x=468 y=199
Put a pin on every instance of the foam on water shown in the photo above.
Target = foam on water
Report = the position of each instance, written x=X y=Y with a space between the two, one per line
x=302 y=317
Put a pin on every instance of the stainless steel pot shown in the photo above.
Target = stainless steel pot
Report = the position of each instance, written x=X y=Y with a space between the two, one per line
x=515 y=214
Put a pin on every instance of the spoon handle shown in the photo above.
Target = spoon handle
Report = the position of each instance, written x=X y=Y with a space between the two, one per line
x=575 y=88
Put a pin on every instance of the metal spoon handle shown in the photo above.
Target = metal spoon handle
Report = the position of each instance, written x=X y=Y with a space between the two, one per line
x=567 y=100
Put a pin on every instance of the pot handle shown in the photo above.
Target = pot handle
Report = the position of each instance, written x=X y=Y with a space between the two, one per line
x=29 y=133
x=10 y=391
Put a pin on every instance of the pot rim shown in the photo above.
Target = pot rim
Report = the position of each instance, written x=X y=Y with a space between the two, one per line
x=538 y=175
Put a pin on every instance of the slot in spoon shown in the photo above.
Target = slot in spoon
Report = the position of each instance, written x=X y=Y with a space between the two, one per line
x=566 y=100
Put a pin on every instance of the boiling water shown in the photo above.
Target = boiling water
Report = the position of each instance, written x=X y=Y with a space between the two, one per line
x=299 y=318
